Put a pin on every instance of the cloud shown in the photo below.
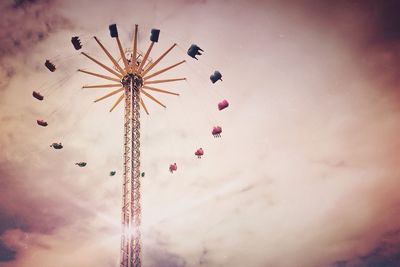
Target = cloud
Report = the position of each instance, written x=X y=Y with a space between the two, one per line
x=6 y=253
x=370 y=27
x=25 y=209
x=384 y=253
x=162 y=258
x=8 y=222
x=157 y=254
x=23 y=25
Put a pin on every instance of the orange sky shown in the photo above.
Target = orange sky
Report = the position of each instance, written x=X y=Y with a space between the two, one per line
x=306 y=172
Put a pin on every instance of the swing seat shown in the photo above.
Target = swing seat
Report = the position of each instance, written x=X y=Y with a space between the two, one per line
x=173 y=167
x=42 y=123
x=194 y=51
x=216 y=131
x=155 y=33
x=50 y=66
x=223 y=104
x=216 y=76
x=56 y=145
x=199 y=152
x=76 y=42
x=37 y=95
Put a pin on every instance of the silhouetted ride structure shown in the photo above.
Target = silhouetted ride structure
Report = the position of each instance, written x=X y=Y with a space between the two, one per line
x=131 y=78
x=134 y=80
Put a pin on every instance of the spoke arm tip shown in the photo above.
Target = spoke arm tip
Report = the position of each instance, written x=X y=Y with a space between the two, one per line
x=140 y=68
x=102 y=85
x=122 y=54
x=163 y=70
x=122 y=71
x=159 y=90
x=152 y=98
x=109 y=94
x=164 y=81
x=102 y=65
x=158 y=60
x=99 y=75
x=144 y=106
x=117 y=102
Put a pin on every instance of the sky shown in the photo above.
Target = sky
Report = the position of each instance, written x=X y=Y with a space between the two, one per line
x=306 y=172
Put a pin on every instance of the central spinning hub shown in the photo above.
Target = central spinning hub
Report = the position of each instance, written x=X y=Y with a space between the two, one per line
x=132 y=78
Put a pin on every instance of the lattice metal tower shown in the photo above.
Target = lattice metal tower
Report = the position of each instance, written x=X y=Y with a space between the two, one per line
x=133 y=81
